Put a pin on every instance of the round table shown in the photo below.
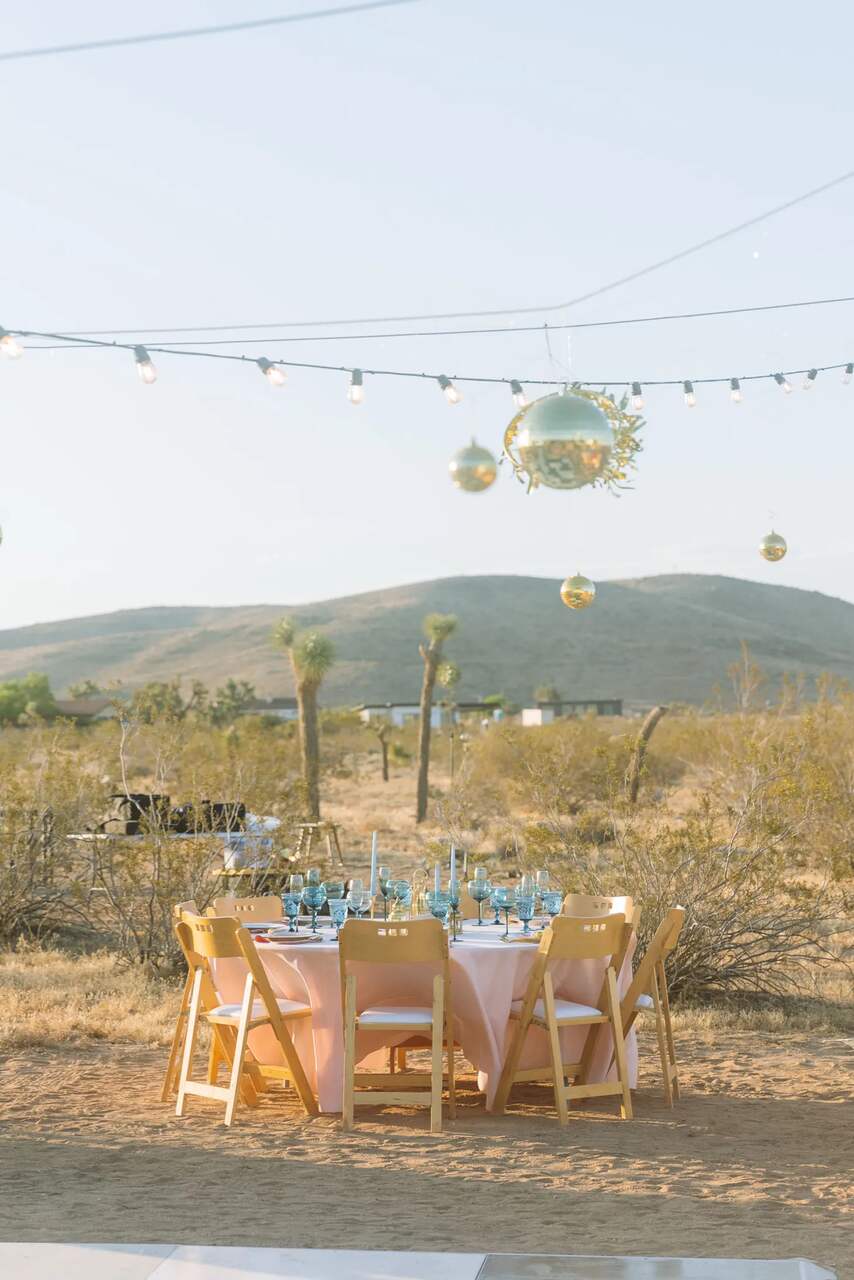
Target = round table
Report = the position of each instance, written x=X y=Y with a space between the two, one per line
x=487 y=975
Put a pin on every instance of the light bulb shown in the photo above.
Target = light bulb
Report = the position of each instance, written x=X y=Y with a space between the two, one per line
x=690 y=398
x=735 y=393
x=9 y=345
x=783 y=381
x=274 y=373
x=809 y=380
x=452 y=395
x=847 y=372
x=637 y=396
x=356 y=391
x=144 y=366
x=518 y=393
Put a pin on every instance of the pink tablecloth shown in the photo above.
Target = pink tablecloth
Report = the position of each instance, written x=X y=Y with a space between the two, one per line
x=486 y=976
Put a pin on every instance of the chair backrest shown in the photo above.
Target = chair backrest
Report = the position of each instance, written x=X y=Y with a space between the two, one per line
x=579 y=938
x=393 y=942
x=663 y=941
x=591 y=904
x=248 y=910
x=181 y=908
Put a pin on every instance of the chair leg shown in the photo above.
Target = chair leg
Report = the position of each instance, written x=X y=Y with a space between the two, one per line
x=555 y=1049
x=170 y=1079
x=213 y=1059
x=241 y=1041
x=662 y=1041
x=436 y=1080
x=452 y=1084
x=348 y=1105
x=190 y=1035
x=668 y=1031
x=616 y=1020
x=401 y=1058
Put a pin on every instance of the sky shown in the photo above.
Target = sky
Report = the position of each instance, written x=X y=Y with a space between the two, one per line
x=444 y=155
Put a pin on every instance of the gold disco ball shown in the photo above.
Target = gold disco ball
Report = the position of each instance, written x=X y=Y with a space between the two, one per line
x=473 y=468
x=562 y=441
x=773 y=547
x=578 y=592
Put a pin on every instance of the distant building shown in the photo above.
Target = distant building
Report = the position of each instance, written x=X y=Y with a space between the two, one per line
x=396 y=713
x=547 y=712
x=281 y=708
x=85 y=710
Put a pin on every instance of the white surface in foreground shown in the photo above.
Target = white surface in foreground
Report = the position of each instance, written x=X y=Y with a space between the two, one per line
x=208 y=1262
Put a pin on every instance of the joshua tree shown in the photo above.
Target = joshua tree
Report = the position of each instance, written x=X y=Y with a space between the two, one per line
x=382 y=730
x=311 y=656
x=437 y=628
x=448 y=676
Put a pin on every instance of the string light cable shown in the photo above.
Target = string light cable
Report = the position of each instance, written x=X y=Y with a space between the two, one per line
x=275 y=370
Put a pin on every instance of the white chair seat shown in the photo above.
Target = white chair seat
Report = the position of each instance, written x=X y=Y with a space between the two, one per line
x=394 y=1016
x=644 y=1002
x=287 y=1008
x=565 y=1011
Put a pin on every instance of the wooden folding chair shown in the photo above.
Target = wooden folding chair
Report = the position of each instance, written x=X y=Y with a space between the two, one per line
x=648 y=993
x=586 y=905
x=570 y=938
x=248 y=910
x=170 y=1080
x=393 y=943
x=206 y=938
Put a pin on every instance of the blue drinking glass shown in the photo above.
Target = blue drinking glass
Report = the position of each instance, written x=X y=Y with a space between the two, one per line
x=525 y=911
x=505 y=900
x=291 y=904
x=338 y=908
x=439 y=904
x=314 y=896
x=480 y=889
x=495 y=902
x=359 y=902
x=401 y=892
x=553 y=903
x=334 y=889
x=384 y=883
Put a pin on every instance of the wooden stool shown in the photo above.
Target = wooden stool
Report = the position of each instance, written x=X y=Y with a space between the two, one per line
x=307 y=832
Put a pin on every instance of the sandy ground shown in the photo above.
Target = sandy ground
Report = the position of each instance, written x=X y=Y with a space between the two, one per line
x=755 y=1161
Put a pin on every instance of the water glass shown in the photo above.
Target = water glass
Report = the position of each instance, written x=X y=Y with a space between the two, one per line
x=439 y=904
x=314 y=896
x=542 y=882
x=359 y=902
x=384 y=887
x=291 y=904
x=338 y=908
x=526 y=886
x=313 y=876
x=296 y=883
x=334 y=889
x=480 y=889
x=505 y=900
x=525 y=911
x=495 y=902
x=553 y=903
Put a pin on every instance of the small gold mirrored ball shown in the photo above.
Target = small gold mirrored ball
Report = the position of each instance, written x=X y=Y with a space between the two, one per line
x=473 y=468
x=773 y=547
x=577 y=592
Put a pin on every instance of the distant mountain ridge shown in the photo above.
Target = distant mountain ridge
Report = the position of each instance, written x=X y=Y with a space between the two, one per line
x=663 y=638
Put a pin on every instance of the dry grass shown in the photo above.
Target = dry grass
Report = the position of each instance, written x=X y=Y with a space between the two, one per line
x=49 y=998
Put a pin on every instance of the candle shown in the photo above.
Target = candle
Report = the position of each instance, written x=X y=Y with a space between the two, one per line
x=437 y=878
x=373 y=863
x=453 y=865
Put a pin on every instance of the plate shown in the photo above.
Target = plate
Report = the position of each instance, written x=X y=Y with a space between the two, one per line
x=282 y=935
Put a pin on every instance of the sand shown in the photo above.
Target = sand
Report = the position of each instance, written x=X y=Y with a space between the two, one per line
x=756 y=1161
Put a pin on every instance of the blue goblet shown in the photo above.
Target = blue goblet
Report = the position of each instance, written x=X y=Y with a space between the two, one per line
x=525 y=911
x=506 y=901
x=314 y=896
x=439 y=904
x=291 y=904
x=495 y=902
x=480 y=890
x=552 y=903
x=338 y=908
x=400 y=891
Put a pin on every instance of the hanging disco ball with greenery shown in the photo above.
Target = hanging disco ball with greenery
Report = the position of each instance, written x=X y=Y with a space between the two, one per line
x=773 y=547
x=473 y=468
x=573 y=438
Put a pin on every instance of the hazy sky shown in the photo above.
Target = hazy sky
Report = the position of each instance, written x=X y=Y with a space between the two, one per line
x=444 y=155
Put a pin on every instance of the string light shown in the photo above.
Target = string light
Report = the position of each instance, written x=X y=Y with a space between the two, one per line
x=9 y=345
x=809 y=380
x=688 y=389
x=637 y=396
x=356 y=391
x=783 y=381
x=452 y=395
x=518 y=392
x=847 y=373
x=144 y=365
x=274 y=373
x=735 y=393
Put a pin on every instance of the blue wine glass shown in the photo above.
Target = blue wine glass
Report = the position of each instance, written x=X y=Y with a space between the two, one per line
x=439 y=903
x=525 y=911
x=480 y=889
x=384 y=883
x=552 y=903
x=506 y=901
x=314 y=896
x=495 y=902
x=401 y=892
x=291 y=904
x=334 y=889
x=359 y=902
x=313 y=876
x=338 y=908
